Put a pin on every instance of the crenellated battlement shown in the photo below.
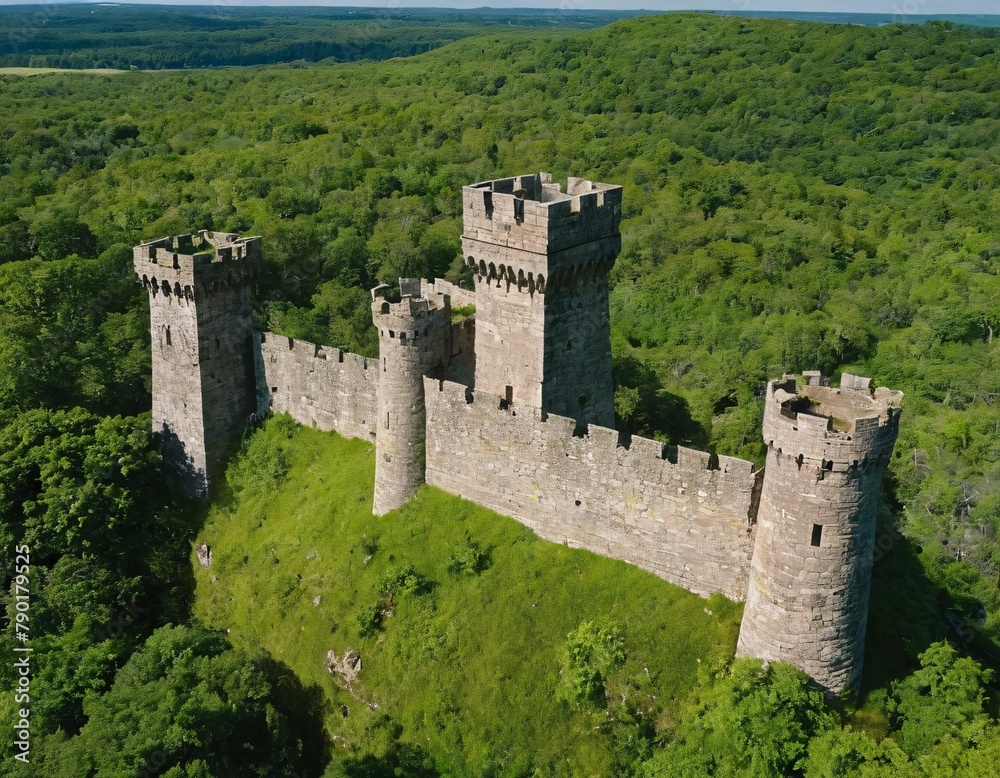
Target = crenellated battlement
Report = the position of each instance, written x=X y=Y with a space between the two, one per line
x=406 y=315
x=832 y=428
x=460 y=297
x=565 y=432
x=531 y=214
x=323 y=387
x=184 y=266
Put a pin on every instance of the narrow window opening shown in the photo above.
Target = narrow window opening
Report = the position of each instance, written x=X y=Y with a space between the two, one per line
x=507 y=400
x=519 y=210
x=817 y=534
x=384 y=365
x=168 y=335
x=387 y=421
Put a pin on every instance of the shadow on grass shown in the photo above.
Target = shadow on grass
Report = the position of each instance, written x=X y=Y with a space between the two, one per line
x=305 y=708
x=644 y=408
x=905 y=610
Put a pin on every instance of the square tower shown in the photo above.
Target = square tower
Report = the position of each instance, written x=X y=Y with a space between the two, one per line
x=541 y=257
x=203 y=369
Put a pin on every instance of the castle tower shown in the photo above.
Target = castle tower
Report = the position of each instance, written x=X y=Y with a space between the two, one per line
x=541 y=259
x=203 y=371
x=414 y=341
x=810 y=577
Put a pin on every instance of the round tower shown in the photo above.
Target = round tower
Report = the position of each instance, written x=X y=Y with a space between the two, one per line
x=810 y=577
x=413 y=342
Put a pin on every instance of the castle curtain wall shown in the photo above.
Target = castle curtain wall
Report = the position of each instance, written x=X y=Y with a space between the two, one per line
x=684 y=520
x=321 y=387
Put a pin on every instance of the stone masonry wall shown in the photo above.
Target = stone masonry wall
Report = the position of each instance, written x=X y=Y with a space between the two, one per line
x=808 y=605
x=460 y=297
x=320 y=387
x=509 y=340
x=413 y=342
x=226 y=358
x=177 y=403
x=660 y=508
x=540 y=259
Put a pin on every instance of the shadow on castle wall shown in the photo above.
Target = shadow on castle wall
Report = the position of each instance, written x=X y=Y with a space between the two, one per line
x=179 y=465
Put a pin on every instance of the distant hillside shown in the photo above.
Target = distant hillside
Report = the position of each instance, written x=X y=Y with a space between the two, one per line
x=159 y=37
x=870 y=19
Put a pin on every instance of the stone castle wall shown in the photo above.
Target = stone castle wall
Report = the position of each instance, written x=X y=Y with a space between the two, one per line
x=325 y=388
x=540 y=258
x=177 y=396
x=460 y=298
x=675 y=512
x=512 y=409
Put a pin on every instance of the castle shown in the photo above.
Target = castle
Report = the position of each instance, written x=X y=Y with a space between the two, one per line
x=512 y=408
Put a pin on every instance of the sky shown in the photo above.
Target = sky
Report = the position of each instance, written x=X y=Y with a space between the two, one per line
x=898 y=7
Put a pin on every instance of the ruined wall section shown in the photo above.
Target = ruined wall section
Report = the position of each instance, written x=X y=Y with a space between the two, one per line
x=807 y=600
x=326 y=388
x=675 y=512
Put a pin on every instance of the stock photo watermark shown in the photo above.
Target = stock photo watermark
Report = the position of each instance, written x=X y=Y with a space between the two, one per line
x=33 y=24
x=907 y=8
x=21 y=618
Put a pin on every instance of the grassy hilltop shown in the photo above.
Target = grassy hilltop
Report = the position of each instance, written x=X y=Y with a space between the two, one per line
x=797 y=196
x=467 y=657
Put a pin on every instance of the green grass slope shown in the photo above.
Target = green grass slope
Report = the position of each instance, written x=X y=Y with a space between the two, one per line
x=465 y=672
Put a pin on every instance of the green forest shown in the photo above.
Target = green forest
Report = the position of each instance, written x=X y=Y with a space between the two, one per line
x=797 y=196
x=84 y=36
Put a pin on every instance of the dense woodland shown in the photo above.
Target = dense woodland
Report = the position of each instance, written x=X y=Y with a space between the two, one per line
x=797 y=196
x=226 y=33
